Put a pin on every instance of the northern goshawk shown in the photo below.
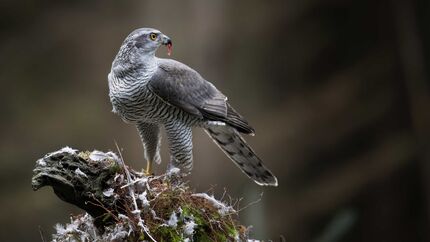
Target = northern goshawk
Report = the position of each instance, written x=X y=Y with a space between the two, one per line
x=153 y=92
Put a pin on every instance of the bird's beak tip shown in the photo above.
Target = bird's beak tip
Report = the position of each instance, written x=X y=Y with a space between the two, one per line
x=167 y=42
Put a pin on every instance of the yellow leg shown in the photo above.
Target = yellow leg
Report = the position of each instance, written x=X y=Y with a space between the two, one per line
x=148 y=171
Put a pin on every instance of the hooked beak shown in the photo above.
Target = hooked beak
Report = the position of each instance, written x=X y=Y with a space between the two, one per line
x=167 y=42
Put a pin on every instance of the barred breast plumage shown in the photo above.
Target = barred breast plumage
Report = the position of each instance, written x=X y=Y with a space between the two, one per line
x=132 y=99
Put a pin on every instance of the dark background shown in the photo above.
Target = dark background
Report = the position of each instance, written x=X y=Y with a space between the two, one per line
x=338 y=92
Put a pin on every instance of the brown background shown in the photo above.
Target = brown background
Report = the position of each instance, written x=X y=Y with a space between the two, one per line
x=337 y=91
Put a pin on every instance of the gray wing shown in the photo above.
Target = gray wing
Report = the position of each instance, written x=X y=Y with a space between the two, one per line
x=181 y=86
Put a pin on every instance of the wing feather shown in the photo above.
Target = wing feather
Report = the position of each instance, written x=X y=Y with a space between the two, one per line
x=181 y=86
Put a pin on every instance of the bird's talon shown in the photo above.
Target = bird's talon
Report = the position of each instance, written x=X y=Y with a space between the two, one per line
x=148 y=170
x=148 y=173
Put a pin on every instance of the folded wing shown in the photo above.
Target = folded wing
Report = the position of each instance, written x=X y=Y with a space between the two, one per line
x=181 y=86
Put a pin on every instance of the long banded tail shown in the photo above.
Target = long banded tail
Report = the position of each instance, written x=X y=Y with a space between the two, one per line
x=235 y=147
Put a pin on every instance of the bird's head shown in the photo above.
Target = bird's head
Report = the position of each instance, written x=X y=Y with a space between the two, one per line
x=146 y=41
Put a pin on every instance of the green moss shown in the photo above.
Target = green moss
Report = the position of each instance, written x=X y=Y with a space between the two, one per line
x=194 y=213
x=114 y=167
x=221 y=237
x=203 y=237
x=232 y=231
x=165 y=233
x=211 y=226
x=142 y=237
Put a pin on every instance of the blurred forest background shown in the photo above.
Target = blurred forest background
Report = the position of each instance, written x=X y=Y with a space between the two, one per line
x=338 y=92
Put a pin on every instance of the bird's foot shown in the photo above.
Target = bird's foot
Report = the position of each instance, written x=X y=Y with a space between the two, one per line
x=148 y=170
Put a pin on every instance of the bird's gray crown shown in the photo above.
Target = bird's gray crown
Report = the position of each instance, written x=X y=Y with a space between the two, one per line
x=145 y=40
x=141 y=44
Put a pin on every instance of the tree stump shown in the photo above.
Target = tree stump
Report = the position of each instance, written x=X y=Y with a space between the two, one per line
x=125 y=205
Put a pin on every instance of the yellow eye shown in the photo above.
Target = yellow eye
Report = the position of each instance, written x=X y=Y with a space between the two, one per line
x=153 y=36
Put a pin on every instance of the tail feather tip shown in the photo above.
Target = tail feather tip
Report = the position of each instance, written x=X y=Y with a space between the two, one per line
x=272 y=182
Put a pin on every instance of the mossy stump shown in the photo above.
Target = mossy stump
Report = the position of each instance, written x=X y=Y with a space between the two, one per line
x=125 y=205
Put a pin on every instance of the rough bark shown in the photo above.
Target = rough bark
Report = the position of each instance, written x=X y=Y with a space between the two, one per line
x=78 y=181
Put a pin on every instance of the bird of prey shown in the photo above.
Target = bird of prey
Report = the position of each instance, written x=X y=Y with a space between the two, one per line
x=153 y=93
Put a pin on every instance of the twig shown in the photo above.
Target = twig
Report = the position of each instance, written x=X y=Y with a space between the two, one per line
x=127 y=173
x=223 y=194
x=134 y=182
x=136 y=208
x=236 y=203
x=251 y=203
x=211 y=188
x=100 y=204
x=41 y=234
